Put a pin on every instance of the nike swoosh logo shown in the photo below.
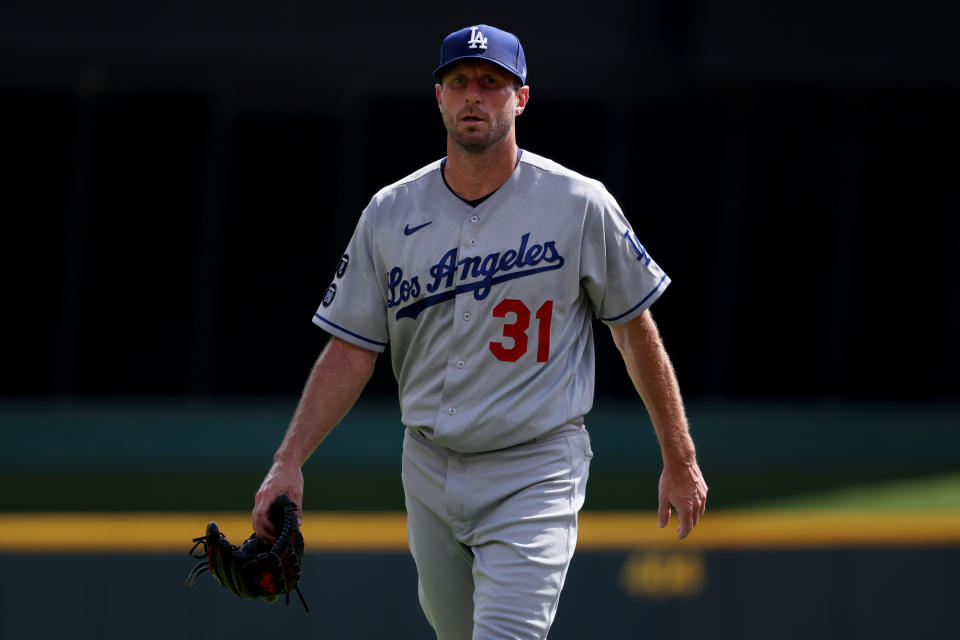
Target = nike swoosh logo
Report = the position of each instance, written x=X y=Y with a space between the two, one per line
x=407 y=230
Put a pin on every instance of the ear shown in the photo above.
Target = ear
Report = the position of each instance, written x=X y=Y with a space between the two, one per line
x=439 y=90
x=523 y=97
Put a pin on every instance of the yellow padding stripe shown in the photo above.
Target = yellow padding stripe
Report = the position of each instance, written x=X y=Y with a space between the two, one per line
x=765 y=529
x=328 y=531
x=165 y=532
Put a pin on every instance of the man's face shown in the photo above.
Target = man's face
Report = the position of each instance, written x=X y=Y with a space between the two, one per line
x=479 y=103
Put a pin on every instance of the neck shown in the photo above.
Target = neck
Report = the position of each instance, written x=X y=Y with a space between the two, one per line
x=474 y=175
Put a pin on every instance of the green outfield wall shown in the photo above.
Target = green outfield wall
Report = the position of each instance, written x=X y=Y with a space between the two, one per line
x=181 y=455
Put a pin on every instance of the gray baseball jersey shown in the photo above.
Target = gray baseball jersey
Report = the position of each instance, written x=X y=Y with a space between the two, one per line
x=488 y=310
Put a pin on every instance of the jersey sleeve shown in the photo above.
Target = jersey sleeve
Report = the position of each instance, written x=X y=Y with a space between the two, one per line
x=353 y=307
x=617 y=273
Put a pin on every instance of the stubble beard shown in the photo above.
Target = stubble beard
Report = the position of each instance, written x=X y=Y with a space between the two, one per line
x=473 y=142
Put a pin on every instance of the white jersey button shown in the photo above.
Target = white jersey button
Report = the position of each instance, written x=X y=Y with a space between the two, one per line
x=473 y=242
x=474 y=219
x=452 y=410
x=461 y=364
x=466 y=315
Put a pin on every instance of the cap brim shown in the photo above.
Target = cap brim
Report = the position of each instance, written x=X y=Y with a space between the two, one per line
x=438 y=72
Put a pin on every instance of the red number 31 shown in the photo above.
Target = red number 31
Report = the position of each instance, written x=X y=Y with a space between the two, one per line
x=517 y=330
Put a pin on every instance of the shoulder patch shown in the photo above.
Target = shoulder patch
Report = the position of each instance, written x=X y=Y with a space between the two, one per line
x=329 y=295
x=342 y=267
x=638 y=249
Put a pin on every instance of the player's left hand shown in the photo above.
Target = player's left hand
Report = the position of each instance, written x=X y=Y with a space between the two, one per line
x=683 y=487
x=283 y=478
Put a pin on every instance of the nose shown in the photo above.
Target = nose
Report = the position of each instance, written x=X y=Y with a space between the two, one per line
x=473 y=92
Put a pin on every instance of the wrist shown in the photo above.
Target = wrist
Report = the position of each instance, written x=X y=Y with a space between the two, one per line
x=286 y=459
x=679 y=456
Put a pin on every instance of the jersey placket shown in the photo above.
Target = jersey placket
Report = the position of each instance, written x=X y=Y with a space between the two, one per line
x=465 y=320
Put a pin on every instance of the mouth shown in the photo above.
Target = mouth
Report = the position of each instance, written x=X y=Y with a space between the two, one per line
x=472 y=118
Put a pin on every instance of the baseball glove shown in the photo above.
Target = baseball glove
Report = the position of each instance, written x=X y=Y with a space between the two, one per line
x=255 y=569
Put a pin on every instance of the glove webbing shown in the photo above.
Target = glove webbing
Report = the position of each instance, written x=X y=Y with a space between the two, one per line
x=201 y=567
x=282 y=542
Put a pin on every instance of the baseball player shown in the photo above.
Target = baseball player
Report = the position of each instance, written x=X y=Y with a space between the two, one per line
x=483 y=271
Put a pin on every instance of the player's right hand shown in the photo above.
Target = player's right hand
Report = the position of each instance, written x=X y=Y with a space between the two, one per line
x=282 y=478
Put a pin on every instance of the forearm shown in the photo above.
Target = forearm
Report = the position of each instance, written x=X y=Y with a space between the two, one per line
x=334 y=384
x=649 y=367
x=653 y=376
x=336 y=381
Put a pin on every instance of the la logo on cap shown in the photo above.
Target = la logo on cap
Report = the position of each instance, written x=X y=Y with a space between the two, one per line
x=476 y=39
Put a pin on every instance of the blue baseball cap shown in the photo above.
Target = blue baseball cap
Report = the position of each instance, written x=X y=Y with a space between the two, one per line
x=485 y=43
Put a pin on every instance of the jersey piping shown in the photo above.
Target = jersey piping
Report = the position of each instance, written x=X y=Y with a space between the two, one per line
x=638 y=305
x=345 y=330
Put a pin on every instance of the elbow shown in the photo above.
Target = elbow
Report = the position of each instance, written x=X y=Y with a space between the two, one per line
x=620 y=338
x=625 y=335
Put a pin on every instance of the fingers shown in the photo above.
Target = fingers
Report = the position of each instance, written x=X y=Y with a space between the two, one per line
x=663 y=513
x=687 y=522
x=690 y=514
x=261 y=520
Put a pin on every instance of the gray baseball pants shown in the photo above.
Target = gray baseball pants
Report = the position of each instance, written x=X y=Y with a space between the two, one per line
x=492 y=534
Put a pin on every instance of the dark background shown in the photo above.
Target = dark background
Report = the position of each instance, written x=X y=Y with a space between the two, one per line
x=181 y=179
